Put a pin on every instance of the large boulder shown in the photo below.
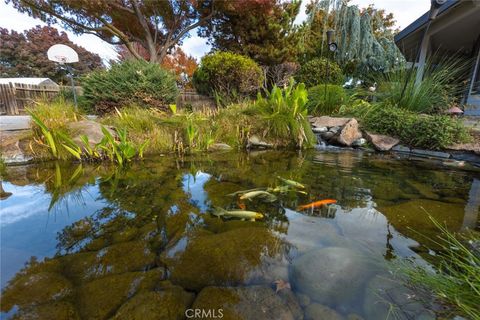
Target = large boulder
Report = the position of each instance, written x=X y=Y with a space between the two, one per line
x=248 y=303
x=381 y=142
x=326 y=121
x=14 y=147
x=333 y=276
x=228 y=258
x=170 y=303
x=348 y=134
x=58 y=310
x=89 y=128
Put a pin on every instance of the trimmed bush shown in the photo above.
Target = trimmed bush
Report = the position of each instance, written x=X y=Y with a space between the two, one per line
x=321 y=104
x=228 y=75
x=133 y=82
x=314 y=72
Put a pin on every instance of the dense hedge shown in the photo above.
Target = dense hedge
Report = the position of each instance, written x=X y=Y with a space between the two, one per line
x=227 y=74
x=133 y=82
x=321 y=104
x=314 y=72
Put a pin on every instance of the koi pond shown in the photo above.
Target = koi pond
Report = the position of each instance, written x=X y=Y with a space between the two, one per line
x=165 y=238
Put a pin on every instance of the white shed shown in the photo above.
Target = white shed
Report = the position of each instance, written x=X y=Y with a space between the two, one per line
x=32 y=81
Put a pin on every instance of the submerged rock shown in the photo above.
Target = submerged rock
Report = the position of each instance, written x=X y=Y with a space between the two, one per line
x=100 y=298
x=317 y=311
x=227 y=258
x=57 y=310
x=333 y=276
x=248 y=303
x=385 y=297
x=34 y=289
x=381 y=142
x=114 y=259
x=170 y=303
x=348 y=134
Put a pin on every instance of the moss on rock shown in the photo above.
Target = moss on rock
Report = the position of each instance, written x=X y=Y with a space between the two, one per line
x=227 y=258
x=167 y=304
x=56 y=310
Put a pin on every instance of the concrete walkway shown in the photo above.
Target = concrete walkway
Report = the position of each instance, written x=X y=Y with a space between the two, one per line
x=9 y=123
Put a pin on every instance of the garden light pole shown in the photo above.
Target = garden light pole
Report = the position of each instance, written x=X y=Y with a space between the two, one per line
x=434 y=10
x=332 y=47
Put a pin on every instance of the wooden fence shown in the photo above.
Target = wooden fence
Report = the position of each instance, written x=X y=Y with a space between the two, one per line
x=15 y=97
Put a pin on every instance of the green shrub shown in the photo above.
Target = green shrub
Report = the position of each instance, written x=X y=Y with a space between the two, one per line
x=319 y=103
x=314 y=72
x=417 y=130
x=229 y=75
x=131 y=82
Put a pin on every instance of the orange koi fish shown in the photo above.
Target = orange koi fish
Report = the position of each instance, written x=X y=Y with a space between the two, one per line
x=241 y=205
x=317 y=204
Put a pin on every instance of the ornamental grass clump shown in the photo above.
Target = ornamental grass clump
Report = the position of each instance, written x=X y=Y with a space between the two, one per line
x=456 y=280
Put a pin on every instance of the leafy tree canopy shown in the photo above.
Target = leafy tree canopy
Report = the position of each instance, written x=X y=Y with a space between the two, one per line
x=157 y=25
x=25 y=54
x=260 y=29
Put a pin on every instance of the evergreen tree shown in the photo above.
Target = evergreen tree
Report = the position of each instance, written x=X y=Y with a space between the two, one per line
x=260 y=29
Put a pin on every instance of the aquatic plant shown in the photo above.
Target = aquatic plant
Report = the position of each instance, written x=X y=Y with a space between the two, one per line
x=284 y=112
x=325 y=101
x=456 y=282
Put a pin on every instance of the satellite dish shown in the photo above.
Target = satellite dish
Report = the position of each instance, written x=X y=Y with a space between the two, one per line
x=62 y=54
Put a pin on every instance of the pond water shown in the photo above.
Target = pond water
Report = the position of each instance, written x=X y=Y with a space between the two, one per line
x=95 y=242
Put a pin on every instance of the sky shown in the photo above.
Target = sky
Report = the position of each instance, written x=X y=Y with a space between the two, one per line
x=405 y=12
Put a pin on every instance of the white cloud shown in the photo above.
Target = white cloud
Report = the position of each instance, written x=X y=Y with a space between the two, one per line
x=195 y=46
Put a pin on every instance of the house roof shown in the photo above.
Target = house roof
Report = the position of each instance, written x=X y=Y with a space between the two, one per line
x=422 y=21
x=33 y=81
x=455 y=31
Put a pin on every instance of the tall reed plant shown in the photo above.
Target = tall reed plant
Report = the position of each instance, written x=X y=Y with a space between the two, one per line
x=456 y=281
x=441 y=85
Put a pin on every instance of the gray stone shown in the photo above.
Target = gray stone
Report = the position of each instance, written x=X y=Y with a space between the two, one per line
x=331 y=276
x=319 y=129
x=327 y=135
x=14 y=147
x=430 y=154
x=349 y=133
x=317 y=311
x=326 y=121
x=335 y=129
x=249 y=303
x=400 y=148
x=89 y=128
x=219 y=147
x=359 y=142
x=255 y=142
x=384 y=296
x=381 y=142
